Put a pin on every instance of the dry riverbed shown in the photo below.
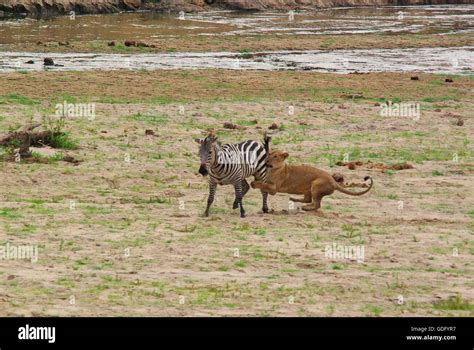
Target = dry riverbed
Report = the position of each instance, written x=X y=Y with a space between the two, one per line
x=120 y=233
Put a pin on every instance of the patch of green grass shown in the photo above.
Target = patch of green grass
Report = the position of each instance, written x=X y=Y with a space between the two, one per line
x=247 y=122
x=17 y=99
x=8 y=213
x=440 y=99
x=120 y=47
x=436 y=173
x=49 y=159
x=241 y=263
x=95 y=210
x=349 y=231
x=40 y=209
x=454 y=303
x=375 y=310
x=327 y=43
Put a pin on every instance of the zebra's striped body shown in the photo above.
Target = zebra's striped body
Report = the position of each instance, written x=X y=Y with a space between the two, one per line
x=231 y=164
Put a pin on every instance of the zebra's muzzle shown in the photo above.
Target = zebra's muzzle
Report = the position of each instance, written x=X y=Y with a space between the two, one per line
x=202 y=170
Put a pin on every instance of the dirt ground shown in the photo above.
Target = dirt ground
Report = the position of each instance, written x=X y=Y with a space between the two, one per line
x=121 y=233
x=251 y=43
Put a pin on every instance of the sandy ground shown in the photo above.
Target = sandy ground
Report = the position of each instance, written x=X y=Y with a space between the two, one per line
x=122 y=233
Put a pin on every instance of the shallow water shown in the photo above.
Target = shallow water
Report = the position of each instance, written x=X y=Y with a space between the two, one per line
x=429 y=60
x=441 y=20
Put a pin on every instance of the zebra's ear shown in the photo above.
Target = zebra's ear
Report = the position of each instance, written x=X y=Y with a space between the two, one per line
x=199 y=141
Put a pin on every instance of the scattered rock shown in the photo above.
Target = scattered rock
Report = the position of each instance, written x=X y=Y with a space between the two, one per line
x=70 y=159
x=149 y=132
x=273 y=126
x=62 y=43
x=415 y=78
x=228 y=125
x=460 y=122
x=400 y=166
x=129 y=43
x=449 y=80
x=437 y=110
x=351 y=166
x=48 y=61
x=142 y=44
x=30 y=62
x=111 y=43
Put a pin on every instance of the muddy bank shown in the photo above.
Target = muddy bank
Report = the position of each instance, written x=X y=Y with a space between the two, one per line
x=55 y=7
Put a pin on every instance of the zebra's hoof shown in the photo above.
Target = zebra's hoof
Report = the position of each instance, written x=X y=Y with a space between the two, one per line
x=242 y=215
x=265 y=210
x=235 y=205
x=206 y=214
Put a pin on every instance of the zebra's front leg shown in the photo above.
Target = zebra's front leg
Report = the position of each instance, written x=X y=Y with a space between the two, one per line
x=245 y=189
x=210 y=199
x=238 y=198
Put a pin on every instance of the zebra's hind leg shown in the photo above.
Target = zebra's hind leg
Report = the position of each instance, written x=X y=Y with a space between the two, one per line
x=245 y=189
x=265 y=202
x=238 y=198
x=262 y=178
x=210 y=199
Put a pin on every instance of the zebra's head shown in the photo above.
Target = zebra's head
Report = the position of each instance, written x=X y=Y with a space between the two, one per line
x=205 y=150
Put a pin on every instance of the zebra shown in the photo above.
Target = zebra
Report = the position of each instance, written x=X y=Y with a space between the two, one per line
x=231 y=164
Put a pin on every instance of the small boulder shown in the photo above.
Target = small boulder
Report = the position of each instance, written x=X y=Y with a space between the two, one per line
x=48 y=61
x=228 y=125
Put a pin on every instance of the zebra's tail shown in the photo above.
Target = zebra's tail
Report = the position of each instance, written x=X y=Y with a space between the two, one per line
x=266 y=143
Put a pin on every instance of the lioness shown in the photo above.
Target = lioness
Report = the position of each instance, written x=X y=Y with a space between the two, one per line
x=309 y=181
